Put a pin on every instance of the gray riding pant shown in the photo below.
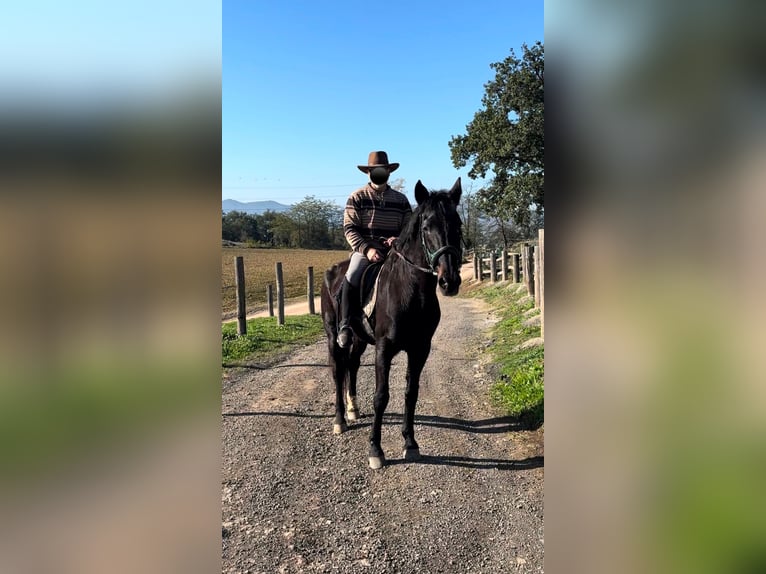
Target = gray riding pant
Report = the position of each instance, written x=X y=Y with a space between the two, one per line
x=357 y=266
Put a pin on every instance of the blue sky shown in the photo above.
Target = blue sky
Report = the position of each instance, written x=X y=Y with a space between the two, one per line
x=310 y=88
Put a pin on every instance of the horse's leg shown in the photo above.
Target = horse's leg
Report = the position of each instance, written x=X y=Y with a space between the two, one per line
x=338 y=359
x=354 y=359
x=416 y=360
x=383 y=356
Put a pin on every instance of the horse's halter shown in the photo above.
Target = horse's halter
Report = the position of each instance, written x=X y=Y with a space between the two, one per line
x=432 y=257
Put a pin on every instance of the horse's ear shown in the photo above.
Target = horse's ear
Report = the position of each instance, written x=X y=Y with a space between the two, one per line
x=421 y=193
x=456 y=192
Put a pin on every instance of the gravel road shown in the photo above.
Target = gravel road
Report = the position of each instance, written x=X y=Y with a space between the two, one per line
x=296 y=498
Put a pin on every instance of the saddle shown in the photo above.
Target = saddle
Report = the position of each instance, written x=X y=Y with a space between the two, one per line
x=368 y=291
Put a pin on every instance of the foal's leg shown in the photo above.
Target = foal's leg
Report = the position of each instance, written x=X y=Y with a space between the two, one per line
x=337 y=360
x=383 y=356
x=354 y=359
x=416 y=360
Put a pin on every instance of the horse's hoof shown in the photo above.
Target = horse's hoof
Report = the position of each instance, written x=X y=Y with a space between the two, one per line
x=352 y=416
x=377 y=462
x=411 y=454
x=339 y=428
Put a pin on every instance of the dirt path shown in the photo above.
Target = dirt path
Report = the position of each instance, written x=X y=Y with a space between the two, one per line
x=296 y=498
x=295 y=308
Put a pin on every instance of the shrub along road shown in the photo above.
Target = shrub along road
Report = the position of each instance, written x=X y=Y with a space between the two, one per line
x=296 y=498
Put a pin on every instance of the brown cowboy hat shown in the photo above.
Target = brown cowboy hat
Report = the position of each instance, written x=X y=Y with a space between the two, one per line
x=377 y=159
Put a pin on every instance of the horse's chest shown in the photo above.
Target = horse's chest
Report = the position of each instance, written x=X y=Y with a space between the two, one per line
x=419 y=321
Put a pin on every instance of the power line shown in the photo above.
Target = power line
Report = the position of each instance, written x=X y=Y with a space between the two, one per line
x=291 y=186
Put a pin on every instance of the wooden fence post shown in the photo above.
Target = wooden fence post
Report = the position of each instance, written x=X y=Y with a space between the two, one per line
x=280 y=295
x=504 y=265
x=527 y=262
x=481 y=265
x=270 y=299
x=475 y=266
x=524 y=275
x=536 y=259
x=241 y=311
x=493 y=266
x=541 y=280
x=311 y=290
x=515 y=267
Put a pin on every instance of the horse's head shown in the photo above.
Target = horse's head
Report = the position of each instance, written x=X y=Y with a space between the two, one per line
x=441 y=236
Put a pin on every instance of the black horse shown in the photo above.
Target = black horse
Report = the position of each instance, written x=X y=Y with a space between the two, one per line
x=426 y=254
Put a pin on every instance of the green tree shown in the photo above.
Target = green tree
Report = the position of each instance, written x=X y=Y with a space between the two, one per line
x=337 y=237
x=507 y=137
x=316 y=223
x=281 y=229
x=239 y=226
x=270 y=224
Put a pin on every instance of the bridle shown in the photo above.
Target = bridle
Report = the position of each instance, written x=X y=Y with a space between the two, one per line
x=431 y=256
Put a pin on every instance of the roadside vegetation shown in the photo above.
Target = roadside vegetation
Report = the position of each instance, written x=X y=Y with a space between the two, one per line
x=266 y=340
x=519 y=388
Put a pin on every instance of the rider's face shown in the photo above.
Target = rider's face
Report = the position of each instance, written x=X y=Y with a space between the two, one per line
x=379 y=175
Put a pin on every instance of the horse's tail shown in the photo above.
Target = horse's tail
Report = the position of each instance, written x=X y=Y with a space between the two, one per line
x=331 y=284
x=329 y=275
x=329 y=298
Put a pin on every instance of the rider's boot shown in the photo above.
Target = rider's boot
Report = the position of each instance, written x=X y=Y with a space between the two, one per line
x=348 y=299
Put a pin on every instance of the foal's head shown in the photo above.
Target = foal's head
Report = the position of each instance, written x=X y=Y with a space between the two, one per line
x=440 y=229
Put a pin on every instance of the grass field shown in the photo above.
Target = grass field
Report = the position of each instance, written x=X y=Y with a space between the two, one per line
x=260 y=272
x=265 y=338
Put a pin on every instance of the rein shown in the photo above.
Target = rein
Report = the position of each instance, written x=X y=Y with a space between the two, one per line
x=410 y=263
x=431 y=257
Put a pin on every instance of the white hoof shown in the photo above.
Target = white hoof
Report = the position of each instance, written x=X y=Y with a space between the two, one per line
x=411 y=454
x=339 y=429
x=352 y=416
x=376 y=462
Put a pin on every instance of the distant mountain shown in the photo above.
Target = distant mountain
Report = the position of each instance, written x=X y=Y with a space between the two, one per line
x=256 y=207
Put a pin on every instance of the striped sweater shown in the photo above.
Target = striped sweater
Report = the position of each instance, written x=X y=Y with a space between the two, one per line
x=371 y=215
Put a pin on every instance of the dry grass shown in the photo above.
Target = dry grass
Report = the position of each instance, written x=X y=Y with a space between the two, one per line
x=260 y=272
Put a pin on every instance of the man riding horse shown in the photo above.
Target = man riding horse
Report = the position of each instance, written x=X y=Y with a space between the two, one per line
x=406 y=314
x=373 y=218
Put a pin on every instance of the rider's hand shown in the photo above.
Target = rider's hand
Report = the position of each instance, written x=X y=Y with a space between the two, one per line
x=373 y=255
x=389 y=242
